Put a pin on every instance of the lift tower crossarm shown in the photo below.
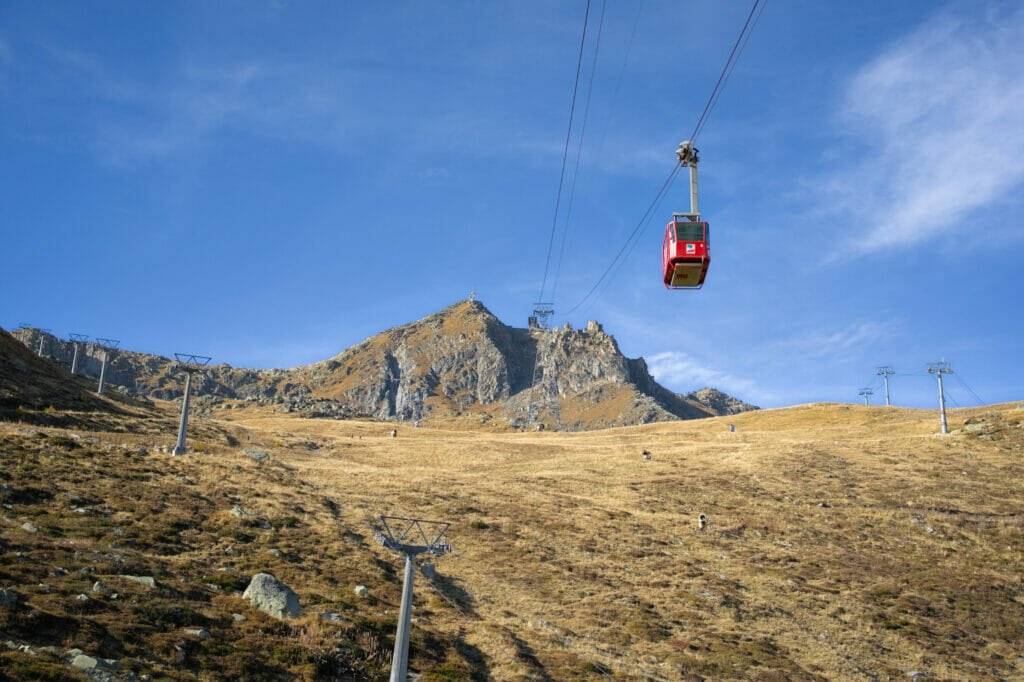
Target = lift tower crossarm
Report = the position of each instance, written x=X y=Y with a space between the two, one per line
x=414 y=539
x=689 y=155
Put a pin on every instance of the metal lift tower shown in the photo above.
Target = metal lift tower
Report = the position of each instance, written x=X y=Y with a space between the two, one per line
x=412 y=541
x=107 y=345
x=885 y=372
x=77 y=340
x=938 y=369
x=192 y=364
x=865 y=392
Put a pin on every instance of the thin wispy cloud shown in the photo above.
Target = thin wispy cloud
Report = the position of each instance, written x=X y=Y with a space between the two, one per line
x=684 y=372
x=839 y=345
x=938 y=118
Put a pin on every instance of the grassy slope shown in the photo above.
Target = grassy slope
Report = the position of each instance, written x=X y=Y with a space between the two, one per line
x=847 y=542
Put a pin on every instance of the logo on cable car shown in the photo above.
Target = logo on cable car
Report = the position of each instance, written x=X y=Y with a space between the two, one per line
x=691 y=248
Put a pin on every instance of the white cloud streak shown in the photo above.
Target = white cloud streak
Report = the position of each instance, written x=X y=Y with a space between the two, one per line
x=683 y=372
x=939 y=121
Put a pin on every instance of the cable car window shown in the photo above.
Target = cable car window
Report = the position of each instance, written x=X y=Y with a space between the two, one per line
x=689 y=232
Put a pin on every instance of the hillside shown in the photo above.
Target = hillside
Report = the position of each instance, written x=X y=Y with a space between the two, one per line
x=845 y=542
x=459 y=361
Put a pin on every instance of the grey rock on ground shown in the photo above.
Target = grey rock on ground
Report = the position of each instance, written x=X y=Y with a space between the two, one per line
x=258 y=455
x=83 y=662
x=146 y=580
x=270 y=595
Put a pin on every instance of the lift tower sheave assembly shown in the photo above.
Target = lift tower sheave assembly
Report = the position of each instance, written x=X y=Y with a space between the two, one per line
x=76 y=339
x=107 y=345
x=419 y=537
x=192 y=363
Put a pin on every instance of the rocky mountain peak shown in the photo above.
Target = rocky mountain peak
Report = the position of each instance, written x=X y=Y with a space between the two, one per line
x=459 y=360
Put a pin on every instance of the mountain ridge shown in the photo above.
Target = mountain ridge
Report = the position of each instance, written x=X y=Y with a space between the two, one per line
x=461 y=360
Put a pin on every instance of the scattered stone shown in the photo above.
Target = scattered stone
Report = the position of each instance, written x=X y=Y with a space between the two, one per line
x=270 y=595
x=99 y=588
x=240 y=513
x=119 y=532
x=275 y=553
x=30 y=527
x=258 y=455
x=977 y=427
x=238 y=618
x=83 y=662
x=361 y=591
x=929 y=529
x=146 y=580
x=197 y=632
x=82 y=598
x=915 y=675
x=985 y=436
x=332 y=617
x=7 y=597
x=4 y=488
x=82 y=510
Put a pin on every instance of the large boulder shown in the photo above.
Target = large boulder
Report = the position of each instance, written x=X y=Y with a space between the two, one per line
x=271 y=596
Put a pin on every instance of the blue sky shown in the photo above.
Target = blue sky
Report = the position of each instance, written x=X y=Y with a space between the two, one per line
x=270 y=183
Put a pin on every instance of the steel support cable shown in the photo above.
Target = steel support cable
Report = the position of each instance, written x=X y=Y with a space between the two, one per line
x=618 y=81
x=969 y=389
x=729 y=64
x=721 y=77
x=565 y=153
x=390 y=505
x=579 y=152
x=643 y=221
x=746 y=39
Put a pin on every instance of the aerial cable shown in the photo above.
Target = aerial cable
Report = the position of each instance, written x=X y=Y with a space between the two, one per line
x=565 y=153
x=618 y=81
x=969 y=389
x=714 y=102
x=643 y=221
x=579 y=151
x=715 y=93
x=722 y=76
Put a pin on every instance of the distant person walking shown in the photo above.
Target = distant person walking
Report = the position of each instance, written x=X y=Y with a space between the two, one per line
x=732 y=427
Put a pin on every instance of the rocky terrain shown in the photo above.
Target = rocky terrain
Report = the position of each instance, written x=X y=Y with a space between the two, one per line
x=461 y=360
x=812 y=543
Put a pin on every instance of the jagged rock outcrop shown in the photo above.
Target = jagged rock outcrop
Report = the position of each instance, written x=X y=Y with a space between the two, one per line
x=461 y=360
x=718 y=402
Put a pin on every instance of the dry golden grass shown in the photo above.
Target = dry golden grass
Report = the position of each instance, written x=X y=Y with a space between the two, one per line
x=846 y=542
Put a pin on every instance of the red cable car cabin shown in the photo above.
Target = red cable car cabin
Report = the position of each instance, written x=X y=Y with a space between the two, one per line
x=686 y=254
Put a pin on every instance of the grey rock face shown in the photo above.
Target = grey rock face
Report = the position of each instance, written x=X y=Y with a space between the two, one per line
x=258 y=455
x=458 y=358
x=270 y=595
